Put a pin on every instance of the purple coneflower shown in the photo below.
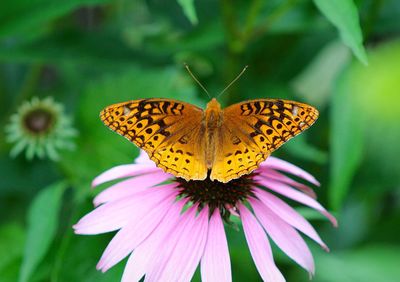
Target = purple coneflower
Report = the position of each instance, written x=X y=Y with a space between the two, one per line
x=167 y=226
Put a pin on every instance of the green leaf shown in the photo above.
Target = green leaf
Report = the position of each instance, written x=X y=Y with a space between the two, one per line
x=23 y=16
x=189 y=10
x=42 y=225
x=365 y=123
x=344 y=15
x=346 y=142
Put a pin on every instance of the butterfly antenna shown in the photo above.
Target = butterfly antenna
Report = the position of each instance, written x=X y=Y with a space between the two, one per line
x=195 y=79
x=233 y=81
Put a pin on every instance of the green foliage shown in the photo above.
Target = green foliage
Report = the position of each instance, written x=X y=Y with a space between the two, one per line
x=303 y=150
x=11 y=246
x=28 y=16
x=88 y=54
x=372 y=263
x=316 y=81
x=344 y=15
x=362 y=113
x=77 y=260
x=42 y=226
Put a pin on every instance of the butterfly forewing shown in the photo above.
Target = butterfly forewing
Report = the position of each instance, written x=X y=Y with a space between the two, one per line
x=252 y=130
x=169 y=131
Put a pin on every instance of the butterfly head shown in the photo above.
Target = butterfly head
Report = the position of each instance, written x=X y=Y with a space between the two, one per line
x=213 y=106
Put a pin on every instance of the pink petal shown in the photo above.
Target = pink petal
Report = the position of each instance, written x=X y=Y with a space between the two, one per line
x=130 y=186
x=158 y=263
x=114 y=215
x=293 y=194
x=122 y=171
x=143 y=158
x=140 y=259
x=130 y=236
x=259 y=246
x=275 y=175
x=275 y=163
x=288 y=214
x=185 y=256
x=285 y=236
x=109 y=217
x=215 y=263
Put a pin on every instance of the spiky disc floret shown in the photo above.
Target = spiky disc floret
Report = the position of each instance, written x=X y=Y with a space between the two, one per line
x=217 y=195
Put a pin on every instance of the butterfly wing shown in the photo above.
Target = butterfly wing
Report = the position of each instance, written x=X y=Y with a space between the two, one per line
x=171 y=133
x=252 y=130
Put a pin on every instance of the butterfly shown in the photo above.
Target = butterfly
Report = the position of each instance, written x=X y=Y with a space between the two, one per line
x=192 y=143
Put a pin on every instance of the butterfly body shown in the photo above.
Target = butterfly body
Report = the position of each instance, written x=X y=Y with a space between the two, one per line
x=212 y=121
x=191 y=143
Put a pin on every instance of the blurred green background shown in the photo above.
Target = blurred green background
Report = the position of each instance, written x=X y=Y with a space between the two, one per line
x=341 y=56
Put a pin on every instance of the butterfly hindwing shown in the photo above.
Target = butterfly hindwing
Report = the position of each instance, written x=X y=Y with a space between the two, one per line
x=259 y=128
x=168 y=130
x=234 y=155
x=184 y=156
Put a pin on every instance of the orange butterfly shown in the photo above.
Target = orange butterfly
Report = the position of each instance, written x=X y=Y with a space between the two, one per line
x=188 y=141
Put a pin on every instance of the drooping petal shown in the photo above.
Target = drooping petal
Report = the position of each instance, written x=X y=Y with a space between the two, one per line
x=215 y=263
x=259 y=246
x=285 y=166
x=122 y=171
x=108 y=217
x=293 y=194
x=186 y=255
x=285 y=236
x=275 y=175
x=131 y=235
x=117 y=214
x=140 y=260
x=159 y=262
x=288 y=214
x=130 y=186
